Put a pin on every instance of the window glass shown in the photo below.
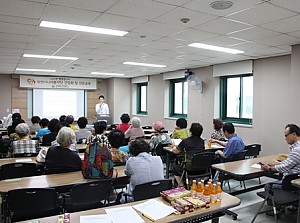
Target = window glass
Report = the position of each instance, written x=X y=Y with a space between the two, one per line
x=237 y=98
x=142 y=98
x=178 y=98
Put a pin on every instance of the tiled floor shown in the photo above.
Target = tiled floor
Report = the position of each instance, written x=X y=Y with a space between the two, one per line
x=250 y=203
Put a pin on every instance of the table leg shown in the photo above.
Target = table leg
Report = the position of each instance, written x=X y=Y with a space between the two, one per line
x=167 y=165
x=298 y=214
x=215 y=220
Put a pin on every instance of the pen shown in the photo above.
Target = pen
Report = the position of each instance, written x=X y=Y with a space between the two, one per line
x=148 y=217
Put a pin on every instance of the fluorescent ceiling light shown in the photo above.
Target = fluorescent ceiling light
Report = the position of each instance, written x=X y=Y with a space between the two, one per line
x=215 y=48
x=144 y=64
x=89 y=29
x=50 y=57
x=39 y=70
x=108 y=74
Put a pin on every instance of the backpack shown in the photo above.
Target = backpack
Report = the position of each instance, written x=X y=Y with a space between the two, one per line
x=97 y=161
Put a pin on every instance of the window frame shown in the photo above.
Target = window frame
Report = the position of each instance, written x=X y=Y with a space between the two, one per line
x=172 y=114
x=223 y=100
x=139 y=99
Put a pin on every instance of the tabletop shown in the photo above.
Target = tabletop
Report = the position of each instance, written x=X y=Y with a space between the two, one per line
x=227 y=202
x=51 y=180
x=243 y=167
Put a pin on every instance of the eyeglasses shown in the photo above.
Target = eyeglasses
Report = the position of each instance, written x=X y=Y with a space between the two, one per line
x=288 y=134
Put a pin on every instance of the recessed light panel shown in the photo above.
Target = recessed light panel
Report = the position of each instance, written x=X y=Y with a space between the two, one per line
x=144 y=64
x=49 y=57
x=215 y=48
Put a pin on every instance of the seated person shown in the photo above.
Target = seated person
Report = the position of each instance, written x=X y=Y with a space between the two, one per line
x=187 y=148
x=82 y=132
x=24 y=144
x=98 y=133
x=159 y=136
x=141 y=167
x=181 y=131
x=16 y=117
x=70 y=120
x=60 y=156
x=135 y=131
x=218 y=132
x=54 y=126
x=44 y=127
x=14 y=136
x=125 y=119
x=116 y=138
x=35 y=124
x=233 y=146
x=292 y=164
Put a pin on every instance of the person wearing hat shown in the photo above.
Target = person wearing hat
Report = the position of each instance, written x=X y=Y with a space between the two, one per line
x=159 y=137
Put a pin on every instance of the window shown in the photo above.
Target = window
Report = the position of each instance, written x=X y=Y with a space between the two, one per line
x=237 y=98
x=178 y=98
x=142 y=107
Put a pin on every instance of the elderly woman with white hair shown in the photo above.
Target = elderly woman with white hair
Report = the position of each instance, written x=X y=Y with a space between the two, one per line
x=24 y=145
x=60 y=156
x=135 y=131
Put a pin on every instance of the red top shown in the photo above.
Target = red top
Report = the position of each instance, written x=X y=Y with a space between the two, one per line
x=123 y=127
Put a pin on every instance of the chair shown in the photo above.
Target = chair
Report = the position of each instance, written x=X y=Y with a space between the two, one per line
x=112 y=127
x=88 y=196
x=150 y=190
x=25 y=155
x=4 y=147
x=236 y=157
x=16 y=170
x=201 y=163
x=279 y=197
x=120 y=182
x=24 y=204
x=147 y=127
x=252 y=150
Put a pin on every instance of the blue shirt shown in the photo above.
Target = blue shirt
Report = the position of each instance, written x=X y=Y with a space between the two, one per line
x=234 y=145
x=43 y=131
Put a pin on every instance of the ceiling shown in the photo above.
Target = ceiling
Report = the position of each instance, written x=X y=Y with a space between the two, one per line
x=260 y=28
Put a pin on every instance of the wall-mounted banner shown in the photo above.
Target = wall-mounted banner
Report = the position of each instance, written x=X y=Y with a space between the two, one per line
x=57 y=82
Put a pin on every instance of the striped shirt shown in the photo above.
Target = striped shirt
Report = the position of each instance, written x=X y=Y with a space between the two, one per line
x=292 y=164
x=25 y=146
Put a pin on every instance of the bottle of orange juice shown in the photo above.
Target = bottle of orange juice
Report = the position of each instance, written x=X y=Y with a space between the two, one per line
x=206 y=194
x=219 y=191
x=194 y=188
x=209 y=183
x=213 y=195
x=199 y=190
x=209 y=144
x=202 y=185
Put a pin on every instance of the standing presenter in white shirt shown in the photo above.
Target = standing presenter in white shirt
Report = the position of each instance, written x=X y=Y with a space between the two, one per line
x=102 y=108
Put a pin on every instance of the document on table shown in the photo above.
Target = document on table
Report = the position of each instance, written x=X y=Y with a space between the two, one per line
x=118 y=215
x=103 y=218
x=153 y=209
x=176 y=141
x=256 y=165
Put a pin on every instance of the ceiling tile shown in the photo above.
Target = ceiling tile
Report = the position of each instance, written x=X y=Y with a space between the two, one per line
x=156 y=28
x=21 y=8
x=254 y=33
x=142 y=9
x=12 y=28
x=204 y=6
x=285 y=25
x=196 y=18
x=68 y=15
x=279 y=40
x=92 y=5
x=192 y=35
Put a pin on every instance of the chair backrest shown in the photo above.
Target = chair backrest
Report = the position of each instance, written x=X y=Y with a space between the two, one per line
x=4 y=147
x=16 y=170
x=253 y=150
x=151 y=189
x=25 y=155
x=202 y=161
x=90 y=193
x=120 y=182
x=159 y=149
x=24 y=204
x=238 y=156
x=286 y=182
x=147 y=127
